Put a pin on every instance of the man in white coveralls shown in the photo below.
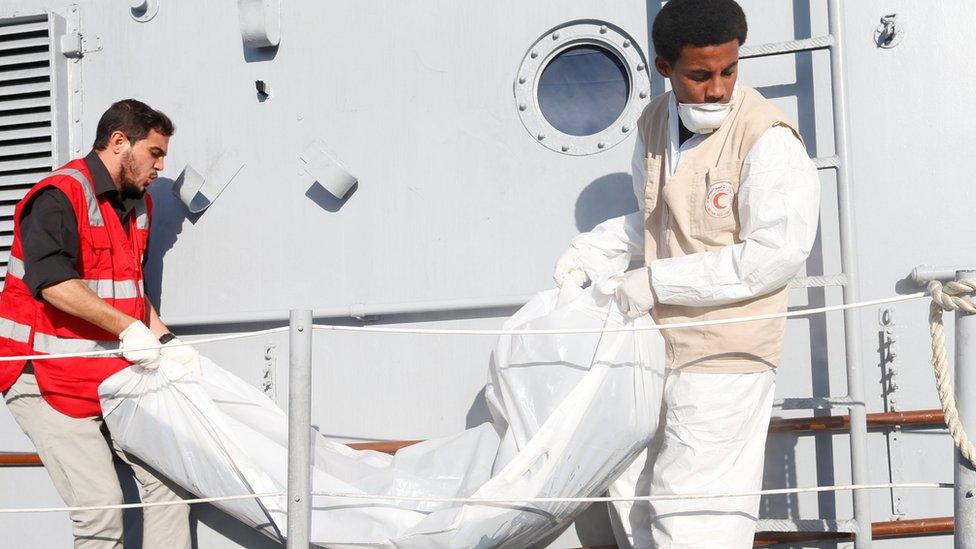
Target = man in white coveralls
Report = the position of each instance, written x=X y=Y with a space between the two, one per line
x=729 y=204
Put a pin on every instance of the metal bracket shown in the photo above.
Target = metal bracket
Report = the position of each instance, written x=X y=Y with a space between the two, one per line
x=328 y=171
x=75 y=45
x=198 y=191
x=889 y=33
x=268 y=374
x=889 y=388
x=260 y=22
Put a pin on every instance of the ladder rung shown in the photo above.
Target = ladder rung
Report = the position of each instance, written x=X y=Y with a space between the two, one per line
x=818 y=281
x=805 y=525
x=790 y=46
x=816 y=403
x=826 y=162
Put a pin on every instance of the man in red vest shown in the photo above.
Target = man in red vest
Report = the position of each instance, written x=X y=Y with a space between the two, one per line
x=74 y=284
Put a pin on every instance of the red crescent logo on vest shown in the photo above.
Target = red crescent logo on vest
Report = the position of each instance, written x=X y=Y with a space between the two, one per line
x=718 y=201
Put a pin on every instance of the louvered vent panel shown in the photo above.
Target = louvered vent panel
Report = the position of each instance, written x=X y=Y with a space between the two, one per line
x=26 y=150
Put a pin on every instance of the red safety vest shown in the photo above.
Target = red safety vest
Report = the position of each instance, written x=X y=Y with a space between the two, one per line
x=109 y=262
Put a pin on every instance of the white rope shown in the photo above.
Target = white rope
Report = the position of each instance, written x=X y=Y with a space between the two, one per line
x=788 y=314
x=953 y=296
x=138 y=505
x=422 y=331
x=493 y=501
x=182 y=342
x=667 y=497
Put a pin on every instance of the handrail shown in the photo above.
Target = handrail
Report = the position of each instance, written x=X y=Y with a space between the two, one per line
x=876 y=420
x=931 y=417
x=19 y=459
x=890 y=529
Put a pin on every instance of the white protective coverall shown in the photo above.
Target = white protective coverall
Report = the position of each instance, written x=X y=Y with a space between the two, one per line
x=713 y=429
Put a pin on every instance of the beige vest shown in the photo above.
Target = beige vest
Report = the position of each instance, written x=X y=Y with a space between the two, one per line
x=696 y=210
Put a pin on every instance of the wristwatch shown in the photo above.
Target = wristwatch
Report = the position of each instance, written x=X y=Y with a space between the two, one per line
x=166 y=338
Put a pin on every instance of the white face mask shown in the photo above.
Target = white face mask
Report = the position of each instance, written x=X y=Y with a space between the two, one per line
x=706 y=117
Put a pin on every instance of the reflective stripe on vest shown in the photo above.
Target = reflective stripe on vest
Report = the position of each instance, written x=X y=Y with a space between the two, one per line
x=16 y=267
x=54 y=345
x=104 y=288
x=142 y=215
x=107 y=288
x=14 y=330
x=94 y=214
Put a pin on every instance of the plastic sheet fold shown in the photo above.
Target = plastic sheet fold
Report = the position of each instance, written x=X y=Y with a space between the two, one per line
x=570 y=412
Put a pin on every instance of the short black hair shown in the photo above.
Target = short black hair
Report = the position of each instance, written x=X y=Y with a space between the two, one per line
x=133 y=118
x=698 y=23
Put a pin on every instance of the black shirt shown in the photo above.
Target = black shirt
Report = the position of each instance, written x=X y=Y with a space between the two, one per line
x=49 y=229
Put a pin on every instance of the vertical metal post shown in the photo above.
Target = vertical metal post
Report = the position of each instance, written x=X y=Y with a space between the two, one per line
x=965 y=475
x=848 y=251
x=299 y=429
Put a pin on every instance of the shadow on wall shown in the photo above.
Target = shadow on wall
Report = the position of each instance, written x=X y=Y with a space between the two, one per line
x=606 y=197
x=657 y=81
x=326 y=200
x=167 y=223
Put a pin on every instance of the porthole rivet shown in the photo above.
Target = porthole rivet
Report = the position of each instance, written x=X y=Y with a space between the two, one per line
x=522 y=106
x=601 y=145
x=534 y=54
x=555 y=36
x=626 y=43
x=521 y=80
x=625 y=128
x=565 y=148
x=603 y=29
x=640 y=66
x=541 y=136
x=643 y=94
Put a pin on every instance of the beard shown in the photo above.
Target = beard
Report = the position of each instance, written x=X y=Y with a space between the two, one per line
x=130 y=189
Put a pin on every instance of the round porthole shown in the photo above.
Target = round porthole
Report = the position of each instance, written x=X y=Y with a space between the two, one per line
x=581 y=88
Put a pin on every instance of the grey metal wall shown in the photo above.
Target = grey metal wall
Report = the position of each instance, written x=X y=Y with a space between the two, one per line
x=457 y=200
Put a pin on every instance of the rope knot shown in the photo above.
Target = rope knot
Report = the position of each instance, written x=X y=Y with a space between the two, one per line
x=954 y=295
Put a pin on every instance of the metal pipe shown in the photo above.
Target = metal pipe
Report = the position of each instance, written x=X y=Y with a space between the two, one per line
x=386 y=446
x=897 y=528
x=848 y=254
x=923 y=274
x=18 y=459
x=965 y=476
x=932 y=417
x=890 y=529
x=299 y=429
x=358 y=311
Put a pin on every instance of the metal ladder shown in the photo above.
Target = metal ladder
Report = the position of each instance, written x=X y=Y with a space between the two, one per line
x=848 y=279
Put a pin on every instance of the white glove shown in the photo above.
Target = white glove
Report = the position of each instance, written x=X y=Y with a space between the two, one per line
x=137 y=337
x=634 y=294
x=569 y=269
x=184 y=354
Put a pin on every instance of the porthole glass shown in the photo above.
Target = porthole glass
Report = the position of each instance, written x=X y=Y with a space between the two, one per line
x=583 y=90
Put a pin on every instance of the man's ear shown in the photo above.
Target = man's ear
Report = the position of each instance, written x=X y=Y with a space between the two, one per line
x=117 y=141
x=663 y=67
